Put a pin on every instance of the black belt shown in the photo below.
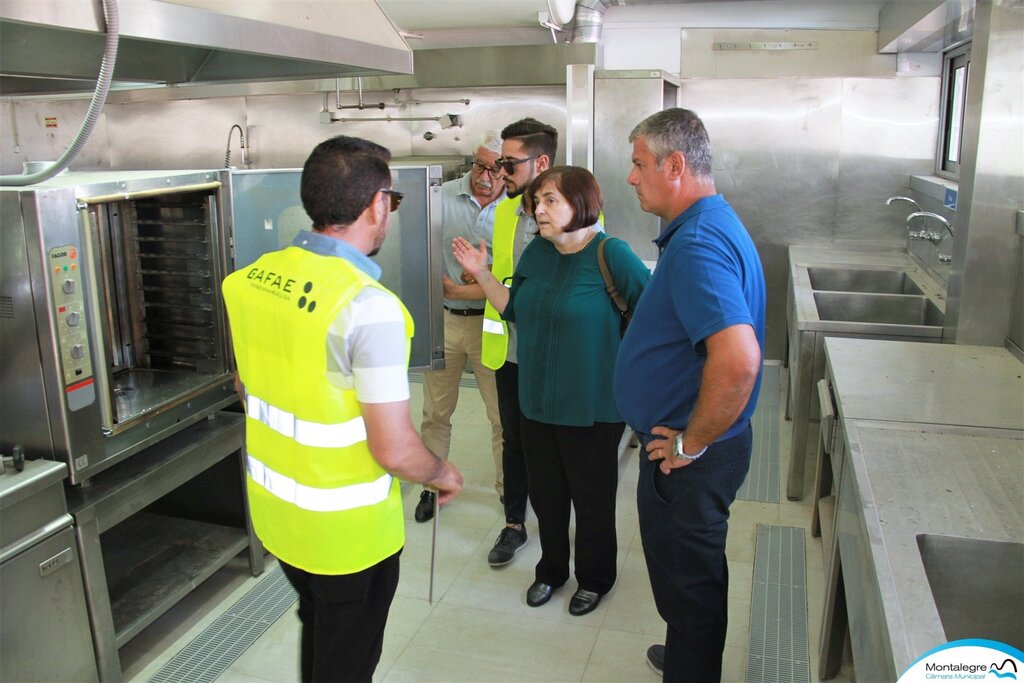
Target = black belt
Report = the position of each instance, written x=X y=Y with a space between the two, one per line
x=465 y=312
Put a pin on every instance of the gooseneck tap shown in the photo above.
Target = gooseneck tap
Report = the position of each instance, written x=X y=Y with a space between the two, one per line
x=932 y=237
x=241 y=144
x=901 y=198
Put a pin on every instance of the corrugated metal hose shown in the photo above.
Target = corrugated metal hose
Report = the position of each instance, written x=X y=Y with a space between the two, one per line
x=99 y=98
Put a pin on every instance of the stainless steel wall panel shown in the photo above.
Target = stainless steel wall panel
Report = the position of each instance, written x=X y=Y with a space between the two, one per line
x=776 y=149
x=889 y=128
x=987 y=253
x=181 y=134
x=579 y=143
x=620 y=104
x=45 y=129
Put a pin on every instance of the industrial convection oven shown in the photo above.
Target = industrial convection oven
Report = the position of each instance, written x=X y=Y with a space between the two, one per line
x=110 y=316
x=116 y=366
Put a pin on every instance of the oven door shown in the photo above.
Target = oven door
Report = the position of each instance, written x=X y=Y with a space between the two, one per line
x=266 y=214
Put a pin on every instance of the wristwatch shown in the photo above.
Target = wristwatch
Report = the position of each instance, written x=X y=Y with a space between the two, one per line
x=677 y=449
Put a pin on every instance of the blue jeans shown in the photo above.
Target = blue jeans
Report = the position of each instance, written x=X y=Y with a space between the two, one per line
x=683 y=525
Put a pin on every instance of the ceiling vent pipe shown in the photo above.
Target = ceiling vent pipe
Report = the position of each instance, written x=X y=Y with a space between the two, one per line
x=588 y=23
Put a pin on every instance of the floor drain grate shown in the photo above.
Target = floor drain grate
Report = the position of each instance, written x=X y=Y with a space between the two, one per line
x=778 y=607
x=762 y=482
x=222 y=642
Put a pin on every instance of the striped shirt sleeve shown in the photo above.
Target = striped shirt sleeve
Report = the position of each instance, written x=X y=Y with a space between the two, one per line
x=366 y=348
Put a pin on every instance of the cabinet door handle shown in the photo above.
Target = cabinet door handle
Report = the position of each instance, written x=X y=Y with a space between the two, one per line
x=47 y=567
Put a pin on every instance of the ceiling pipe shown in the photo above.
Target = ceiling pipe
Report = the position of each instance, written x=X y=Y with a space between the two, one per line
x=589 y=21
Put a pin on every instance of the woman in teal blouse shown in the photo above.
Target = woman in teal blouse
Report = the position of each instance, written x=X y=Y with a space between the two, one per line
x=569 y=335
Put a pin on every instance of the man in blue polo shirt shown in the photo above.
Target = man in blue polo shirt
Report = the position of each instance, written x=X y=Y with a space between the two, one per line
x=686 y=380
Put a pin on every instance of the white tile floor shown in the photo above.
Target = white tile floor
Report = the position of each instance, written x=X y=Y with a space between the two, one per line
x=479 y=627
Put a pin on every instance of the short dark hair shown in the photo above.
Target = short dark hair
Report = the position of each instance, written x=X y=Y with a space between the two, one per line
x=537 y=138
x=677 y=130
x=341 y=177
x=579 y=187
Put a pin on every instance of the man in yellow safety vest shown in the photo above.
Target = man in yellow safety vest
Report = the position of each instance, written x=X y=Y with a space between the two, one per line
x=322 y=350
x=528 y=148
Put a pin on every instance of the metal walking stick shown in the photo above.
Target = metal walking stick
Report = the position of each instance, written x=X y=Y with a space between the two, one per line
x=433 y=549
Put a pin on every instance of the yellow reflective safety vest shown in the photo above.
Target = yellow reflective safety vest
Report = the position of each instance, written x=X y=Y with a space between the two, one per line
x=318 y=499
x=494 y=342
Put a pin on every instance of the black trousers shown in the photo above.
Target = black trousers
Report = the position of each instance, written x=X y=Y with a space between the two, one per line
x=577 y=467
x=513 y=463
x=684 y=520
x=343 y=619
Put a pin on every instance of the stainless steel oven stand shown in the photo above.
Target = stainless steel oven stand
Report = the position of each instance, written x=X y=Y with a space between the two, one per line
x=152 y=560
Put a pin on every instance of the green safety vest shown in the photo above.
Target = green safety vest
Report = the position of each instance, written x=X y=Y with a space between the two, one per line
x=318 y=499
x=494 y=343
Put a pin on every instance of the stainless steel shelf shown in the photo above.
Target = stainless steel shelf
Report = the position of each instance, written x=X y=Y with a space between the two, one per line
x=153 y=561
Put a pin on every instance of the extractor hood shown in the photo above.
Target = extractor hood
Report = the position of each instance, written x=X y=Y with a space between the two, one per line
x=55 y=46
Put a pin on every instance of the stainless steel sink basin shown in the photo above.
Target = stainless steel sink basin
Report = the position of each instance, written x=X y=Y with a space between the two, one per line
x=978 y=586
x=891 y=309
x=849 y=280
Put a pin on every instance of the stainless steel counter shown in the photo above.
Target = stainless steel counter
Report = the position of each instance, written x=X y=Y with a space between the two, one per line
x=902 y=482
x=931 y=383
x=929 y=467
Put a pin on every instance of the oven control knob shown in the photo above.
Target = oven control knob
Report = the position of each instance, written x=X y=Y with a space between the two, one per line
x=73 y=319
x=68 y=286
x=77 y=352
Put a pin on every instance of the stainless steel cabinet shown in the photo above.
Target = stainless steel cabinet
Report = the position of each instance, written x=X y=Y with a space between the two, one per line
x=44 y=625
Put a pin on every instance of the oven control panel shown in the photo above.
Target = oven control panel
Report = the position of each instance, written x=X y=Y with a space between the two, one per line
x=69 y=305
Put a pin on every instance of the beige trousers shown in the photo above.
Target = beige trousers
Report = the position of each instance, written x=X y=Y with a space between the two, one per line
x=462 y=341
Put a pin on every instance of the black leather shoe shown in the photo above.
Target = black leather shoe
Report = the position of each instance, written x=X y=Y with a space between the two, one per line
x=538 y=593
x=583 y=602
x=425 y=508
x=656 y=659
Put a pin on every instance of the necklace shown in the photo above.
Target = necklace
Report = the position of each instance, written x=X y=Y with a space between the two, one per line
x=583 y=245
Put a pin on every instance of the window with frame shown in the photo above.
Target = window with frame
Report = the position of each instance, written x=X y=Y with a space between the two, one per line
x=955 y=72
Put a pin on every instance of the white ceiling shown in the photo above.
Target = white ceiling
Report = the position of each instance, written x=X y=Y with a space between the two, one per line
x=446 y=15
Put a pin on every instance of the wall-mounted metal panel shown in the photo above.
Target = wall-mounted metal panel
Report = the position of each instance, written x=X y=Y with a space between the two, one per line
x=621 y=100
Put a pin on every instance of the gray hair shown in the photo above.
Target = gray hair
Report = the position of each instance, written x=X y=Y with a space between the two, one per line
x=491 y=141
x=677 y=130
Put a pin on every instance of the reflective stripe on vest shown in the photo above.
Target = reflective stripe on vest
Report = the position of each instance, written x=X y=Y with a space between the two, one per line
x=307 y=433
x=317 y=499
x=493 y=326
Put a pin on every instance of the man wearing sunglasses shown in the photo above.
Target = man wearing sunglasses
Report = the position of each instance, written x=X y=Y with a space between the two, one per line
x=323 y=351
x=467 y=211
x=528 y=148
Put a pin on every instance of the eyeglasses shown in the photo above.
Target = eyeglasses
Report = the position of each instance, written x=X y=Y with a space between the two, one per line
x=509 y=165
x=479 y=169
x=395 y=196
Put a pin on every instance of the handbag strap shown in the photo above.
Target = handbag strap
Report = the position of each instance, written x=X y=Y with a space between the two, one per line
x=609 y=283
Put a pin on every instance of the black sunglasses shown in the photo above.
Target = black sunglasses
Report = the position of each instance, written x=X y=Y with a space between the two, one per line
x=395 y=196
x=509 y=165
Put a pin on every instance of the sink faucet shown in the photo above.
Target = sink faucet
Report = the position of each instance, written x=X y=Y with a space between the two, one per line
x=901 y=198
x=932 y=237
x=241 y=144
